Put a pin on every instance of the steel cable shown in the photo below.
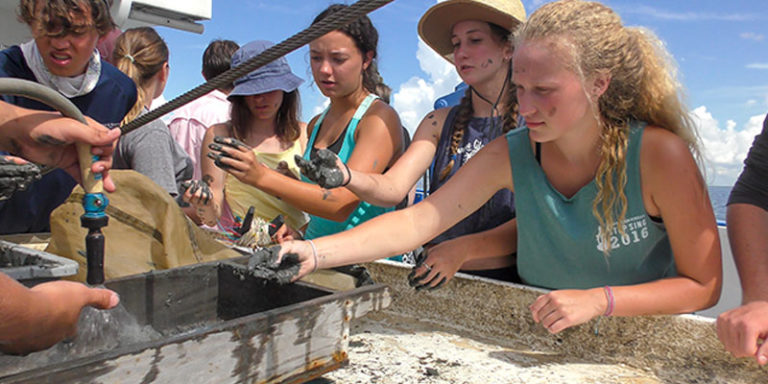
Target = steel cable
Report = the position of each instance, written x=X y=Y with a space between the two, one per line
x=328 y=24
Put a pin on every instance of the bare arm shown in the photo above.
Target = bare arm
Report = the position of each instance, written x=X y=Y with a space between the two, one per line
x=391 y=187
x=377 y=143
x=747 y=230
x=489 y=249
x=678 y=194
x=36 y=318
x=209 y=211
x=403 y=230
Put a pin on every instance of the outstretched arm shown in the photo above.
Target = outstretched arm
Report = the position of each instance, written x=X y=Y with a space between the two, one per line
x=36 y=318
x=400 y=231
x=392 y=186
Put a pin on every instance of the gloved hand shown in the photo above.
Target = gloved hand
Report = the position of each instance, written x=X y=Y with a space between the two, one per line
x=325 y=169
x=16 y=174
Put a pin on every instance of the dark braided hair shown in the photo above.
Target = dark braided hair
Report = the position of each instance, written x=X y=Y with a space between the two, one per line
x=366 y=39
x=465 y=112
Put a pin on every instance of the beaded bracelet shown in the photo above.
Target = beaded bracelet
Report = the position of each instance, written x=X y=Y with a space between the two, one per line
x=611 y=301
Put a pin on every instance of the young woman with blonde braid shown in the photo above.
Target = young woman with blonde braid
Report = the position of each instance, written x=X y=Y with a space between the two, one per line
x=480 y=49
x=150 y=150
x=612 y=211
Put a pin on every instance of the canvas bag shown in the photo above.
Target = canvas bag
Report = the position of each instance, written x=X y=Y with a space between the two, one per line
x=146 y=231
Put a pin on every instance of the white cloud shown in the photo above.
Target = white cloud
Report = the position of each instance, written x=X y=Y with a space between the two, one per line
x=752 y=36
x=318 y=109
x=724 y=149
x=663 y=14
x=416 y=97
x=757 y=66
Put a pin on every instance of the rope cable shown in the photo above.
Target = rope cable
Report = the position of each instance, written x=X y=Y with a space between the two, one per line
x=324 y=26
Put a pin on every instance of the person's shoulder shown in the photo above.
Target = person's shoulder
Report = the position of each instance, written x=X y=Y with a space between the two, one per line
x=12 y=62
x=381 y=112
x=661 y=142
x=111 y=75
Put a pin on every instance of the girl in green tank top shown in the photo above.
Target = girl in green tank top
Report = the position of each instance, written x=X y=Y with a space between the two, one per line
x=363 y=129
x=586 y=86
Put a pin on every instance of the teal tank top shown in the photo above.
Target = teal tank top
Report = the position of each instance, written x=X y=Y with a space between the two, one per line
x=559 y=245
x=319 y=226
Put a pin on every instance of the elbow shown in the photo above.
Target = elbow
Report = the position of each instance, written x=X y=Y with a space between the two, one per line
x=341 y=214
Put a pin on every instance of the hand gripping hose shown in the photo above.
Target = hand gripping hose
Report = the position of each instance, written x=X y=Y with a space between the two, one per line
x=94 y=201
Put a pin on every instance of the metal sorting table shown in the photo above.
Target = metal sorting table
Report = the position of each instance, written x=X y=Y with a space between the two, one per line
x=218 y=325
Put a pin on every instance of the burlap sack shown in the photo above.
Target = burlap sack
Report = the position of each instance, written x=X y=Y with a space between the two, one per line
x=147 y=230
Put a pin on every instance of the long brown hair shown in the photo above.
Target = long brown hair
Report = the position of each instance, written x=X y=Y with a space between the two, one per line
x=366 y=39
x=287 y=126
x=140 y=53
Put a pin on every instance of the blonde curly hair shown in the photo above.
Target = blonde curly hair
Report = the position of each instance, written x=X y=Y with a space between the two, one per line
x=643 y=86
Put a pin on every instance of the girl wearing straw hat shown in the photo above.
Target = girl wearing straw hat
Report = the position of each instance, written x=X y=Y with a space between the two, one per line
x=361 y=128
x=613 y=213
x=474 y=36
x=265 y=122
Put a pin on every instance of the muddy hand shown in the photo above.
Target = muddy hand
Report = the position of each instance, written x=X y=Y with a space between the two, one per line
x=425 y=278
x=193 y=186
x=325 y=169
x=15 y=176
x=264 y=264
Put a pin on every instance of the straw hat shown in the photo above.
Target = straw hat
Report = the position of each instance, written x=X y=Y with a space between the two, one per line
x=435 y=26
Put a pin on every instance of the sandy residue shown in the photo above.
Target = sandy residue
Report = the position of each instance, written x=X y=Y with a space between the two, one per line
x=385 y=349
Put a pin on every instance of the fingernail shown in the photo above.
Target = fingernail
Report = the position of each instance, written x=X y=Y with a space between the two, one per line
x=762 y=359
x=114 y=300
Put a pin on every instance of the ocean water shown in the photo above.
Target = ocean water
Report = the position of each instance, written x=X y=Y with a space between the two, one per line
x=719 y=197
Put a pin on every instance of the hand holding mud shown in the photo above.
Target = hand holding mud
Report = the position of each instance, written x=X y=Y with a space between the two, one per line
x=282 y=264
x=325 y=169
x=236 y=158
x=16 y=175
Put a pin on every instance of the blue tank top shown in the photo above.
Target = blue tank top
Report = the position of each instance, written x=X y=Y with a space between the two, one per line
x=559 y=244
x=319 y=226
x=479 y=132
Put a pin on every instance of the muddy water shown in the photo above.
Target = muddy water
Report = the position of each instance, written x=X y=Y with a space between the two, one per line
x=98 y=331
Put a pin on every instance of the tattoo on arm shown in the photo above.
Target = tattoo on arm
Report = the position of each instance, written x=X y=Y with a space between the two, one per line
x=326 y=194
x=208 y=179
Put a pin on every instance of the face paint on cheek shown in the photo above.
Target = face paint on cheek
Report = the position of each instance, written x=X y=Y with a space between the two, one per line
x=552 y=111
x=486 y=64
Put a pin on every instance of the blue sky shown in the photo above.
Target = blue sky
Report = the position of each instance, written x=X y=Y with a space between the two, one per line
x=721 y=48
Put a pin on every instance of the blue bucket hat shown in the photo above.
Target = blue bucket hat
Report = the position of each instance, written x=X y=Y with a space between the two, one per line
x=271 y=77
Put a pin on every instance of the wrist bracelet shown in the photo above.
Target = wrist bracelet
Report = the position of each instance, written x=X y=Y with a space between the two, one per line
x=611 y=302
x=349 y=173
x=314 y=254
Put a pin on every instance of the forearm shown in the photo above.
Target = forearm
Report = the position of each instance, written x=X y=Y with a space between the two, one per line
x=383 y=236
x=747 y=229
x=378 y=189
x=490 y=247
x=333 y=204
x=680 y=295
